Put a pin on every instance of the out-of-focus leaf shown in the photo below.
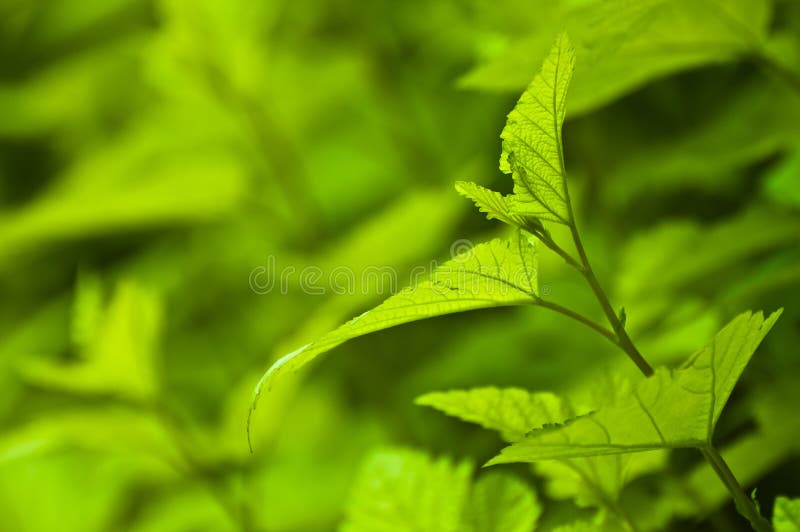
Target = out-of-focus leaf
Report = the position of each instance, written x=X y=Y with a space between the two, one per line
x=786 y=515
x=681 y=254
x=118 y=430
x=782 y=184
x=120 y=359
x=405 y=490
x=624 y=44
x=500 y=503
x=757 y=122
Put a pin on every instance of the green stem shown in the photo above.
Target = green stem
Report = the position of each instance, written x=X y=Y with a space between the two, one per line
x=609 y=335
x=744 y=504
x=622 y=338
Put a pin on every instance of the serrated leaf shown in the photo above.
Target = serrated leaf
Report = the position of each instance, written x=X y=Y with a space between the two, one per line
x=401 y=490
x=786 y=515
x=404 y=490
x=493 y=274
x=670 y=409
x=532 y=150
x=512 y=412
x=493 y=204
x=502 y=503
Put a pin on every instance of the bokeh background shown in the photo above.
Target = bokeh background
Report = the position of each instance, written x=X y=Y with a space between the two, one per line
x=154 y=153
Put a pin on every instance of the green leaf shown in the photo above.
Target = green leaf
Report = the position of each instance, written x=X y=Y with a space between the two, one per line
x=400 y=490
x=532 y=150
x=493 y=274
x=625 y=44
x=512 y=412
x=786 y=515
x=403 y=490
x=495 y=205
x=671 y=409
x=120 y=356
x=502 y=503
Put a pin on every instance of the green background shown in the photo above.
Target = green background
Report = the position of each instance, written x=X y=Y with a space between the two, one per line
x=154 y=154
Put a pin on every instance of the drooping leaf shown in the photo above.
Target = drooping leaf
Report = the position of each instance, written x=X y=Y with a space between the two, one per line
x=671 y=409
x=501 y=503
x=786 y=515
x=532 y=150
x=493 y=274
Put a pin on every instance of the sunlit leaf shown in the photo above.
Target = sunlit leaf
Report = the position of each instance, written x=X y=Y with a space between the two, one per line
x=671 y=409
x=532 y=150
x=493 y=204
x=513 y=412
x=494 y=274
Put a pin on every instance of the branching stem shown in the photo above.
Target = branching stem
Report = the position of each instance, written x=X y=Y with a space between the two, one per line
x=579 y=318
x=621 y=335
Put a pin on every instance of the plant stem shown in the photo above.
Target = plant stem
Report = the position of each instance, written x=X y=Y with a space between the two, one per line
x=622 y=338
x=744 y=504
x=579 y=318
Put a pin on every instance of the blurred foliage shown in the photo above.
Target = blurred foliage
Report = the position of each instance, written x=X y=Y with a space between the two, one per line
x=155 y=153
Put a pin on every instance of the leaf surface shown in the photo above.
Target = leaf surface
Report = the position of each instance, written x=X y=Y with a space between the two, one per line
x=502 y=503
x=671 y=409
x=493 y=274
x=401 y=490
x=532 y=150
x=786 y=515
x=625 y=44
x=513 y=412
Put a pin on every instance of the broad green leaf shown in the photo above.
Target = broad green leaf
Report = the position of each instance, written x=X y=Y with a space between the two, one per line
x=493 y=274
x=786 y=515
x=671 y=409
x=755 y=122
x=532 y=150
x=625 y=44
x=501 y=503
x=512 y=412
x=403 y=490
